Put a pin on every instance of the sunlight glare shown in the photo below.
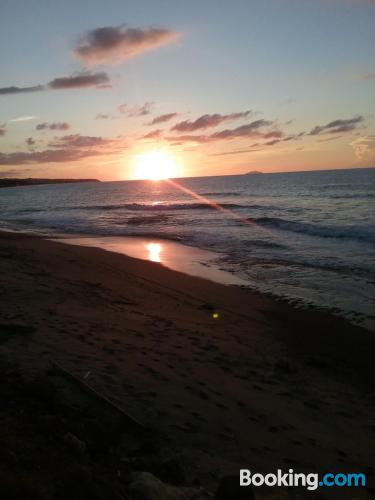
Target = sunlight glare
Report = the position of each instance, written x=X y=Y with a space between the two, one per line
x=154 y=251
x=156 y=165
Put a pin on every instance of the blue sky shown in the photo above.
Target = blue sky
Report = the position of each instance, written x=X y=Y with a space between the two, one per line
x=297 y=64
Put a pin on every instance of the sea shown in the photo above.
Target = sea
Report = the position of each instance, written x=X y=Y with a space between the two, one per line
x=304 y=237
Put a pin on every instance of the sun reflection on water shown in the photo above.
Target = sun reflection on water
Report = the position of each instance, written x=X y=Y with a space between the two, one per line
x=154 y=251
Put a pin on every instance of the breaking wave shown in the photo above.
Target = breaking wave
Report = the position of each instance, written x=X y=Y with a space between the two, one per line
x=365 y=233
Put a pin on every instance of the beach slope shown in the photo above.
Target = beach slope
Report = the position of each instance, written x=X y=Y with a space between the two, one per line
x=226 y=378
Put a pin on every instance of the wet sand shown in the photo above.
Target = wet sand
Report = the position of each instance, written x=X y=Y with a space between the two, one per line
x=171 y=254
x=229 y=378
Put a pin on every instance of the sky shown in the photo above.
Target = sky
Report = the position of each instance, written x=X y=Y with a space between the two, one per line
x=87 y=87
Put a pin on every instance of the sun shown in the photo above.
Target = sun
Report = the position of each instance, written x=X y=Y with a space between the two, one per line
x=155 y=165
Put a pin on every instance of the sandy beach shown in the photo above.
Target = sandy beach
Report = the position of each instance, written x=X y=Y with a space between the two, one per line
x=224 y=377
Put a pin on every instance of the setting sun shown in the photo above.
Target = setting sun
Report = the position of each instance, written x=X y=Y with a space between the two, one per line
x=155 y=165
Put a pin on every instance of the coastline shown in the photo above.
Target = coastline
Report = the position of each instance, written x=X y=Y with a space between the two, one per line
x=261 y=384
x=200 y=262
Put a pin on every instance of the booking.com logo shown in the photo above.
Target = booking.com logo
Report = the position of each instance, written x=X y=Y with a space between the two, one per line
x=311 y=481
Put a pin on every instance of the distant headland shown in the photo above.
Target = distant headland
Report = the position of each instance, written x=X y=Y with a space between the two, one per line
x=253 y=172
x=34 y=182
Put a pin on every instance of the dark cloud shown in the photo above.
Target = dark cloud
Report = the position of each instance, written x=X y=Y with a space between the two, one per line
x=3 y=130
x=53 y=126
x=163 y=118
x=252 y=129
x=293 y=137
x=249 y=130
x=207 y=121
x=338 y=126
x=78 y=141
x=20 y=90
x=47 y=156
x=143 y=110
x=116 y=44
x=273 y=134
x=30 y=141
x=278 y=137
x=79 y=81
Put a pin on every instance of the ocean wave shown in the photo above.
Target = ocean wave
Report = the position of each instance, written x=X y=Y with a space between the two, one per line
x=220 y=193
x=150 y=219
x=159 y=206
x=264 y=244
x=350 y=232
x=353 y=196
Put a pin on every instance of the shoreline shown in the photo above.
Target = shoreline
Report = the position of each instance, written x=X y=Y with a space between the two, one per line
x=202 y=257
x=212 y=272
x=173 y=255
x=263 y=384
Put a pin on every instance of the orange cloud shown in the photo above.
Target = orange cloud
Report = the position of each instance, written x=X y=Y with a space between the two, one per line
x=67 y=148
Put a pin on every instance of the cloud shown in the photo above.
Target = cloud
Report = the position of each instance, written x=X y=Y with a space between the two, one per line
x=3 y=130
x=369 y=76
x=338 y=126
x=30 y=141
x=272 y=143
x=115 y=44
x=278 y=137
x=154 y=134
x=14 y=172
x=67 y=148
x=53 y=126
x=143 y=110
x=252 y=129
x=22 y=119
x=140 y=110
x=79 y=81
x=20 y=90
x=46 y=156
x=329 y=139
x=249 y=130
x=207 y=121
x=78 y=141
x=163 y=118
x=236 y=152
x=364 y=147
